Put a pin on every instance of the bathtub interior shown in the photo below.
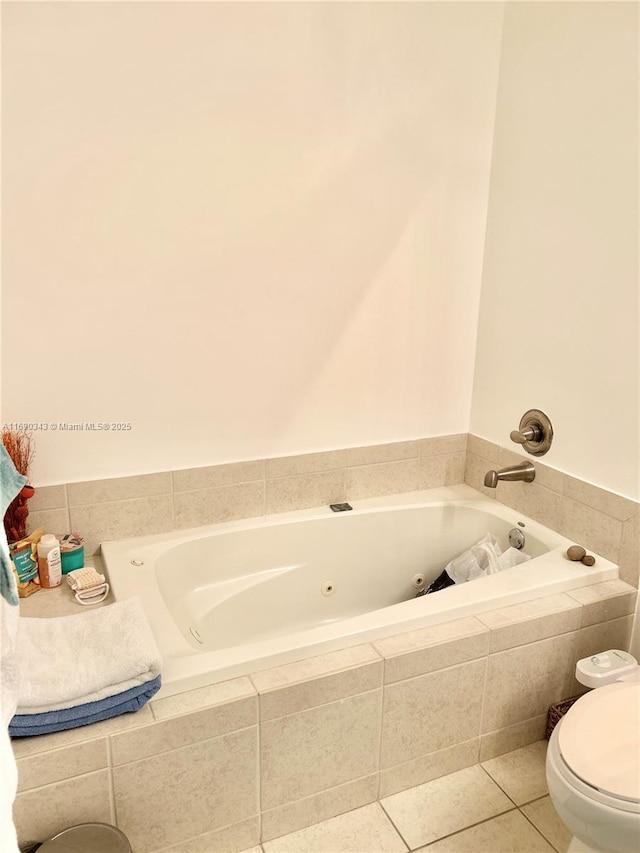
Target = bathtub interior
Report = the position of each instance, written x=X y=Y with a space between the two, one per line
x=240 y=596
x=245 y=586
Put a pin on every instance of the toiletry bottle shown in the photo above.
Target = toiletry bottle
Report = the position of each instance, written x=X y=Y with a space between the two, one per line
x=49 y=562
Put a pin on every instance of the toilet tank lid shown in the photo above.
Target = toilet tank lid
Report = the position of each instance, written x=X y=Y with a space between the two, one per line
x=599 y=739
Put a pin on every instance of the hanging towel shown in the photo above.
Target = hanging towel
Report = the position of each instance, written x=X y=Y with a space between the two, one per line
x=25 y=725
x=10 y=484
x=66 y=661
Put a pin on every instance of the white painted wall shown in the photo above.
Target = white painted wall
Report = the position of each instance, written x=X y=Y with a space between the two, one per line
x=247 y=229
x=558 y=325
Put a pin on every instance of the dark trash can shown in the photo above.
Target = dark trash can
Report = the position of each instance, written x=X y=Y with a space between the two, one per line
x=85 y=837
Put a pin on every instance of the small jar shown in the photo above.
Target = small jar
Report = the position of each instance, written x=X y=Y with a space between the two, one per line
x=72 y=551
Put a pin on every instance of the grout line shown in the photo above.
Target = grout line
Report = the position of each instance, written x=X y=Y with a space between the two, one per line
x=156 y=754
x=471 y=826
x=172 y=493
x=484 y=696
x=380 y=730
x=393 y=824
x=313 y=795
x=112 y=789
x=324 y=704
x=259 y=768
x=537 y=828
x=498 y=785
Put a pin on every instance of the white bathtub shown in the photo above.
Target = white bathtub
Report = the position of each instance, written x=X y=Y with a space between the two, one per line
x=230 y=599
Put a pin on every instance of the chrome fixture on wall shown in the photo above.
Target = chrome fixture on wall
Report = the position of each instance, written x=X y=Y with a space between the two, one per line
x=524 y=472
x=535 y=433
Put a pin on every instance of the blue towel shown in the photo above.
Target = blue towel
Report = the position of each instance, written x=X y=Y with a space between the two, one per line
x=25 y=725
x=11 y=482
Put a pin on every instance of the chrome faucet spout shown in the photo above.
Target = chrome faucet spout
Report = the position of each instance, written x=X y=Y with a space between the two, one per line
x=524 y=472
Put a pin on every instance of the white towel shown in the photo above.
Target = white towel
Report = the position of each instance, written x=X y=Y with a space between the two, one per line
x=9 y=619
x=67 y=661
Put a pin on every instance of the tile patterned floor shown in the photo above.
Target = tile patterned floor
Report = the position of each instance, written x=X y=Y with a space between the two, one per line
x=499 y=806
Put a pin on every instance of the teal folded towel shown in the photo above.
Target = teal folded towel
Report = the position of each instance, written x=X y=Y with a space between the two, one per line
x=11 y=483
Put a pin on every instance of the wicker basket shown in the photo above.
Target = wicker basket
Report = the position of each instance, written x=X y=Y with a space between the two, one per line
x=557 y=712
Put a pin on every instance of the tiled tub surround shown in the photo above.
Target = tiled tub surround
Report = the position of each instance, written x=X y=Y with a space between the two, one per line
x=224 y=600
x=222 y=767
x=158 y=503
x=597 y=519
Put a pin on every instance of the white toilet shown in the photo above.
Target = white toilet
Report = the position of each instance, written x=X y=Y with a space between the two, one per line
x=593 y=761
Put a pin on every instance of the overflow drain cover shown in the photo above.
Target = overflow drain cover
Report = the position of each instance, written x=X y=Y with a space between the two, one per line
x=195 y=634
x=328 y=588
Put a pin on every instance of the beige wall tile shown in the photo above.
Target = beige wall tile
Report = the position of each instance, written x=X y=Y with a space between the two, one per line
x=614 y=634
x=426 y=714
x=474 y=472
x=603 y=601
x=444 y=444
x=530 y=621
x=118 y=489
x=524 y=682
x=48 y=497
x=203 y=697
x=318 y=691
x=319 y=807
x=630 y=551
x=545 y=476
x=307 y=463
x=50 y=520
x=521 y=773
x=237 y=838
x=40 y=813
x=445 y=470
x=304 y=491
x=534 y=500
x=319 y=748
x=58 y=764
x=36 y=745
x=383 y=453
x=436 y=647
x=190 y=479
x=286 y=690
x=121 y=519
x=600 y=499
x=512 y=737
x=186 y=792
x=590 y=528
x=485 y=449
x=332 y=662
x=549 y=477
x=225 y=503
x=428 y=767
x=184 y=730
x=386 y=478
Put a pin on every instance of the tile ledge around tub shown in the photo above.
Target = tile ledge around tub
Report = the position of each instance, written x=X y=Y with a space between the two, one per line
x=297 y=672
x=202 y=698
x=610 y=589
